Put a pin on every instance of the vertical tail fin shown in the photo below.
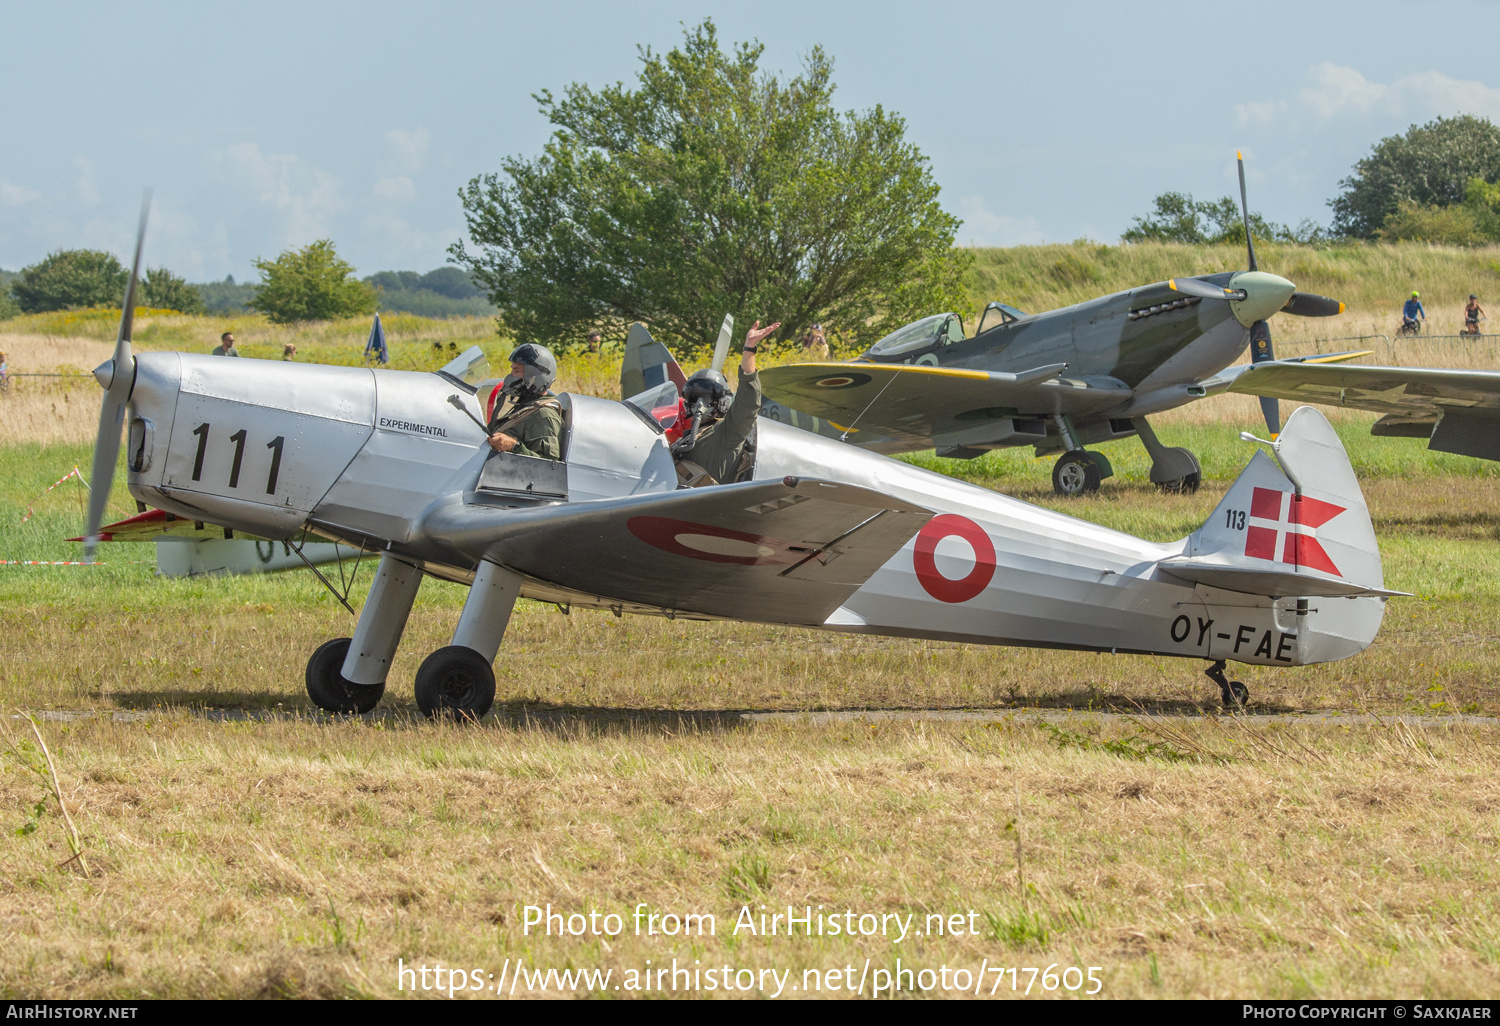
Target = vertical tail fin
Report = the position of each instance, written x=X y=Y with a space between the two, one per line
x=1301 y=529
x=647 y=364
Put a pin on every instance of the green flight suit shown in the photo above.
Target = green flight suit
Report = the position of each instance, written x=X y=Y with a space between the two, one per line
x=536 y=426
x=721 y=447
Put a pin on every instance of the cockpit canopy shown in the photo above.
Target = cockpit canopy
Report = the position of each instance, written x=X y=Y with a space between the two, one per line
x=934 y=332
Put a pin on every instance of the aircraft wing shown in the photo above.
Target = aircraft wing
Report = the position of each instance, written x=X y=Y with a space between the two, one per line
x=934 y=406
x=1458 y=409
x=156 y=523
x=788 y=551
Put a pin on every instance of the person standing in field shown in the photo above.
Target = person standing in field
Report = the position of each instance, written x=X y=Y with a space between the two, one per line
x=289 y=351
x=815 y=344
x=226 y=345
x=4 y=373
x=1473 y=314
x=595 y=338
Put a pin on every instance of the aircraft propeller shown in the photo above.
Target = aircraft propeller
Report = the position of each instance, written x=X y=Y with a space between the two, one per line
x=721 y=347
x=117 y=377
x=1300 y=304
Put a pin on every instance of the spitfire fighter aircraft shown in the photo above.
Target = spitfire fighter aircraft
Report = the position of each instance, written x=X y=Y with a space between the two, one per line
x=1058 y=381
x=819 y=535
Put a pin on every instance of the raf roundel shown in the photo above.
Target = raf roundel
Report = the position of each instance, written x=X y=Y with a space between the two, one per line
x=924 y=558
x=843 y=381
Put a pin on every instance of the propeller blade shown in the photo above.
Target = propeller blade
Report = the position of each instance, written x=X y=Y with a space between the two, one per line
x=1245 y=210
x=1261 y=351
x=721 y=347
x=121 y=379
x=1306 y=304
x=1202 y=289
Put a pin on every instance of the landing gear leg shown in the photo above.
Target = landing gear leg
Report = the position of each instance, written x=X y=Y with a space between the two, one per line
x=1077 y=471
x=458 y=680
x=1234 y=693
x=1174 y=470
x=347 y=675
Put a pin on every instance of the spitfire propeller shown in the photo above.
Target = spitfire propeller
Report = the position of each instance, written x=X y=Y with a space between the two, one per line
x=117 y=376
x=1299 y=304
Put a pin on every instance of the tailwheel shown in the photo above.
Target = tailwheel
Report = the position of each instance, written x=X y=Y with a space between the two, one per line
x=457 y=682
x=1076 y=473
x=1234 y=693
x=330 y=690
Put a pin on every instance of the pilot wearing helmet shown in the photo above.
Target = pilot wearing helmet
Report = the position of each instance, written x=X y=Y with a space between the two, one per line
x=528 y=418
x=720 y=446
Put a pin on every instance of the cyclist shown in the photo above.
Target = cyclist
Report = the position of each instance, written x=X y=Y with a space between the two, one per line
x=1410 y=312
x=1473 y=314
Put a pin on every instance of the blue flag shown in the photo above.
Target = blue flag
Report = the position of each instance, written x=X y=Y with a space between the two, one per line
x=376 y=344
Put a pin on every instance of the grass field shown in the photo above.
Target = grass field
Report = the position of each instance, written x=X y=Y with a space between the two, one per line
x=274 y=853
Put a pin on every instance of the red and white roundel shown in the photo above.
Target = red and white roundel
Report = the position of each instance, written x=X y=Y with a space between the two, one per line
x=714 y=544
x=924 y=559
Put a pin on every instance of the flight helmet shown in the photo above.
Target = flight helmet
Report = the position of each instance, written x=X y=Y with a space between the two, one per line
x=538 y=371
x=711 y=389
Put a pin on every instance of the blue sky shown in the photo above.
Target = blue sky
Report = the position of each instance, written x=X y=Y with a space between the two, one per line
x=269 y=125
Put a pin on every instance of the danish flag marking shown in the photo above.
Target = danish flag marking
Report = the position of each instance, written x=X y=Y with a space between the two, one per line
x=1287 y=524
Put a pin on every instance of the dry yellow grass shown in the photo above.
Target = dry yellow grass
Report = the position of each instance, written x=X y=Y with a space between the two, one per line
x=1188 y=860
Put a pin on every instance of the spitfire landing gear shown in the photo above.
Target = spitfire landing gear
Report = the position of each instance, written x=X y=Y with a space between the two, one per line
x=330 y=689
x=1076 y=473
x=1174 y=470
x=1234 y=693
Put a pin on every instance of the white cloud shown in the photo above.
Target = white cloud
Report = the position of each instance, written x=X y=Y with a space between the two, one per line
x=406 y=152
x=982 y=227
x=1336 y=91
x=305 y=197
x=13 y=195
x=399 y=189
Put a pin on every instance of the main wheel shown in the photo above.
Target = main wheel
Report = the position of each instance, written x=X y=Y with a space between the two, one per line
x=1241 y=695
x=1075 y=473
x=1187 y=484
x=455 y=681
x=330 y=690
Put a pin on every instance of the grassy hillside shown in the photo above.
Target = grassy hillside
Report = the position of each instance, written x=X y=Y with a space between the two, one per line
x=1371 y=280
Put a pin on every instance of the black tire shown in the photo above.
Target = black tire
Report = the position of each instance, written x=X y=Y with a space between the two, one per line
x=1184 y=485
x=1075 y=473
x=330 y=690
x=455 y=681
x=1240 y=693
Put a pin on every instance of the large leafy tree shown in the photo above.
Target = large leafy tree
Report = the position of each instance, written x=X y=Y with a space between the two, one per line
x=71 y=279
x=711 y=186
x=1177 y=217
x=164 y=290
x=1430 y=166
x=311 y=284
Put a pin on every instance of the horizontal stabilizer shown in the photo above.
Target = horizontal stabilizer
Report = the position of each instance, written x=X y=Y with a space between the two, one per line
x=1271 y=583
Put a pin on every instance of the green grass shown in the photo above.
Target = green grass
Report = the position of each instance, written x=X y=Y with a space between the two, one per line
x=1367 y=278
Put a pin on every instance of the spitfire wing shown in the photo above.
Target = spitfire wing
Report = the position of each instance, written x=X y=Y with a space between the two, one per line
x=1464 y=405
x=934 y=406
x=791 y=551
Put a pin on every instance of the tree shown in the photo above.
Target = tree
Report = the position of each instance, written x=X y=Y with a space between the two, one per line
x=1177 y=217
x=163 y=290
x=311 y=284
x=710 y=187
x=71 y=279
x=1430 y=166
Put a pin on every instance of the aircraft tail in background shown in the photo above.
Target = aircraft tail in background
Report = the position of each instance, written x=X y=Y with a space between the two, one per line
x=647 y=364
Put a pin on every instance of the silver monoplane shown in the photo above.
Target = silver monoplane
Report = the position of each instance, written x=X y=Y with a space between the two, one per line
x=1286 y=571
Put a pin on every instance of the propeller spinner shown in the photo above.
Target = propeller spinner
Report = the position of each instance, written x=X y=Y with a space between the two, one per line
x=117 y=376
